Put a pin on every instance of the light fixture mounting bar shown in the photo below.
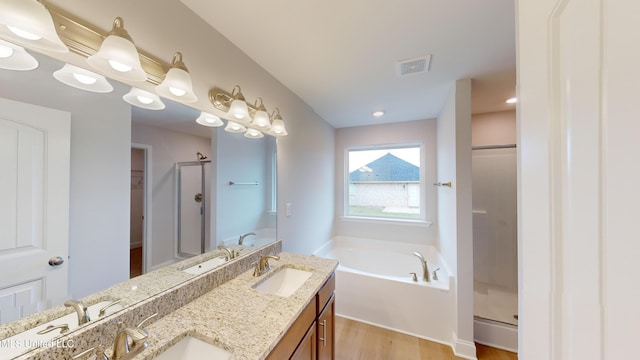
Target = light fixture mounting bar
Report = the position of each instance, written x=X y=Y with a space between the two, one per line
x=221 y=100
x=85 y=39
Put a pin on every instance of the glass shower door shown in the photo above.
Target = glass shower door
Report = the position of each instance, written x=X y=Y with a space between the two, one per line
x=192 y=207
x=495 y=234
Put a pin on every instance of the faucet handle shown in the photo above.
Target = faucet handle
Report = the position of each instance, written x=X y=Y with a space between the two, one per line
x=63 y=329
x=435 y=274
x=144 y=321
x=414 y=277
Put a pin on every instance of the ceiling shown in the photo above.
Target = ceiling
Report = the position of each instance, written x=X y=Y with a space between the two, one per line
x=340 y=57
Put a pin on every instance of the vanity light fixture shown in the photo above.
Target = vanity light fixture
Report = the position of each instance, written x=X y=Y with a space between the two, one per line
x=143 y=99
x=234 y=127
x=261 y=117
x=29 y=23
x=177 y=82
x=277 y=125
x=512 y=100
x=233 y=104
x=253 y=134
x=207 y=119
x=378 y=113
x=82 y=79
x=14 y=57
x=118 y=57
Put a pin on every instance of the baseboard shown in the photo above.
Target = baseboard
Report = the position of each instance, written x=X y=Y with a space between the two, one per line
x=495 y=334
x=395 y=330
x=464 y=349
x=135 y=245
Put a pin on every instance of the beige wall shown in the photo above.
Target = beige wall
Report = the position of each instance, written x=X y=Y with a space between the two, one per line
x=495 y=128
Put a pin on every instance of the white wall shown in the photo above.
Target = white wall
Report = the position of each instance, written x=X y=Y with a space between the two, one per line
x=421 y=131
x=578 y=177
x=305 y=157
x=454 y=207
x=494 y=128
x=100 y=158
x=240 y=208
x=168 y=148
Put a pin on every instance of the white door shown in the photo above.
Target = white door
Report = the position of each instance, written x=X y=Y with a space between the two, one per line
x=579 y=203
x=34 y=208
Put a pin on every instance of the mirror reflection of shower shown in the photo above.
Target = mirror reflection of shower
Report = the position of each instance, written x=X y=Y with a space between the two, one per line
x=193 y=203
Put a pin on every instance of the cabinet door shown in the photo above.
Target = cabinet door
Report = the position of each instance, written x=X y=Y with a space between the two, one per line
x=326 y=332
x=306 y=350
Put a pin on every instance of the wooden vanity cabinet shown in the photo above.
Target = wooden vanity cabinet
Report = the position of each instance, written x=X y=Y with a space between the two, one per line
x=312 y=335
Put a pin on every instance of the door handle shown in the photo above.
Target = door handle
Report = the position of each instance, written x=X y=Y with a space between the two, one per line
x=324 y=332
x=56 y=261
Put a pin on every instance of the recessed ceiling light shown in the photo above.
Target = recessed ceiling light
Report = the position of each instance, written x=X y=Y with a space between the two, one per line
x=378 y=113
x=512 y=100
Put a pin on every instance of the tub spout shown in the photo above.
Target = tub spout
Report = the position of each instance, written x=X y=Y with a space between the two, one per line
x=425 y=268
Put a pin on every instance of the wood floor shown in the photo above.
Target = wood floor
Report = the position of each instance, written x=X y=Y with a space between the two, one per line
x=359 y=341
x=135 y=262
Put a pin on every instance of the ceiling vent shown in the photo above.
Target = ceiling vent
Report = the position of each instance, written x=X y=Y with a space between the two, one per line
x=413 y=66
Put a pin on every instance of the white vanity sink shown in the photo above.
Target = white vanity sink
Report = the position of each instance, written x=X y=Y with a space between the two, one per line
x=205 y=266
x=191 y=348
x=30 y=339
x=283 y=282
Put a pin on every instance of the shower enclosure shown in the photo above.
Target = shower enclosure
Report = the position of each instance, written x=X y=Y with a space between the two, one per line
x=495 y=259
x=193 y=204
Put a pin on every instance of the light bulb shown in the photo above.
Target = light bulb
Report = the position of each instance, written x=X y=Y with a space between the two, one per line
x=85 y=79
x=118 y=66
x=24 y=34
x=177 y=91
x=5 y=52
x=145 y=100
x=512 y=100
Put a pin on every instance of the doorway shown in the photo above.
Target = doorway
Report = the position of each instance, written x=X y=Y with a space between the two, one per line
x=139 y=239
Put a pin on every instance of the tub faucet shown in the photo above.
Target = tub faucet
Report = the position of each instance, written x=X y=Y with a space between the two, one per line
x=241 y=240
x=425 y=268
x=81 y=310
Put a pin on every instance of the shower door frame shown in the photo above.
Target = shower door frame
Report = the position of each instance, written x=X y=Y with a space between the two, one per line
x=203 y=212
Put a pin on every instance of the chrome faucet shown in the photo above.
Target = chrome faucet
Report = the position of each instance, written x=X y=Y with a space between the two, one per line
x=81 y=310
x=263 y=266
x=241 y=240
x=425 y=268
x=122 y=349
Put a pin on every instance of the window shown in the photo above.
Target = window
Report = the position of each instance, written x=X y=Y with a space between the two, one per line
x=385 y=182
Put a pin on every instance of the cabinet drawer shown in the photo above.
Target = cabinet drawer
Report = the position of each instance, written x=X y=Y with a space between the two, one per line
x=325 y=293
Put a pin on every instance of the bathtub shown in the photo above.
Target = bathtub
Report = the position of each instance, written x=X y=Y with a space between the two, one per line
x=373 y=285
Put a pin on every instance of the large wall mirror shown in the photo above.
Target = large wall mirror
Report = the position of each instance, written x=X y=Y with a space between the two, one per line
x=131 y=188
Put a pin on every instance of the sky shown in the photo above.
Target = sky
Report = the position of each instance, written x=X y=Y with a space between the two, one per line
x=359 y=158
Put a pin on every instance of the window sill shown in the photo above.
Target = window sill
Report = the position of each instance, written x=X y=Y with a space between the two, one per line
x=373 y=220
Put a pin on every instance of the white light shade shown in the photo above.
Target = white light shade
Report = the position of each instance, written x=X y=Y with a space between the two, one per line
x=14 y=57
x=512 y=100
x=29 y=23
x=261 y=119
x=207 y=119
x=233 y=127
x=143 y=99
x=239 y=110
x=118 y=57
x=277 y=128
x=82 y=79
x=177 y=82
x=253 y=134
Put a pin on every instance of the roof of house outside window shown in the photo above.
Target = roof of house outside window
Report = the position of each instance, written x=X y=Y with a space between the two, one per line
x=388 y=168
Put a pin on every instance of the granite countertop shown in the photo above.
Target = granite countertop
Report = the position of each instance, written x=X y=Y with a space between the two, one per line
x=234 y=316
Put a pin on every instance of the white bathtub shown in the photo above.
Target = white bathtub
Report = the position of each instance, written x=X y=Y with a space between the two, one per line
x=373 y=285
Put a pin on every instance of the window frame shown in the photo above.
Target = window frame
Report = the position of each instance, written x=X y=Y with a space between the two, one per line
x=386 y=146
